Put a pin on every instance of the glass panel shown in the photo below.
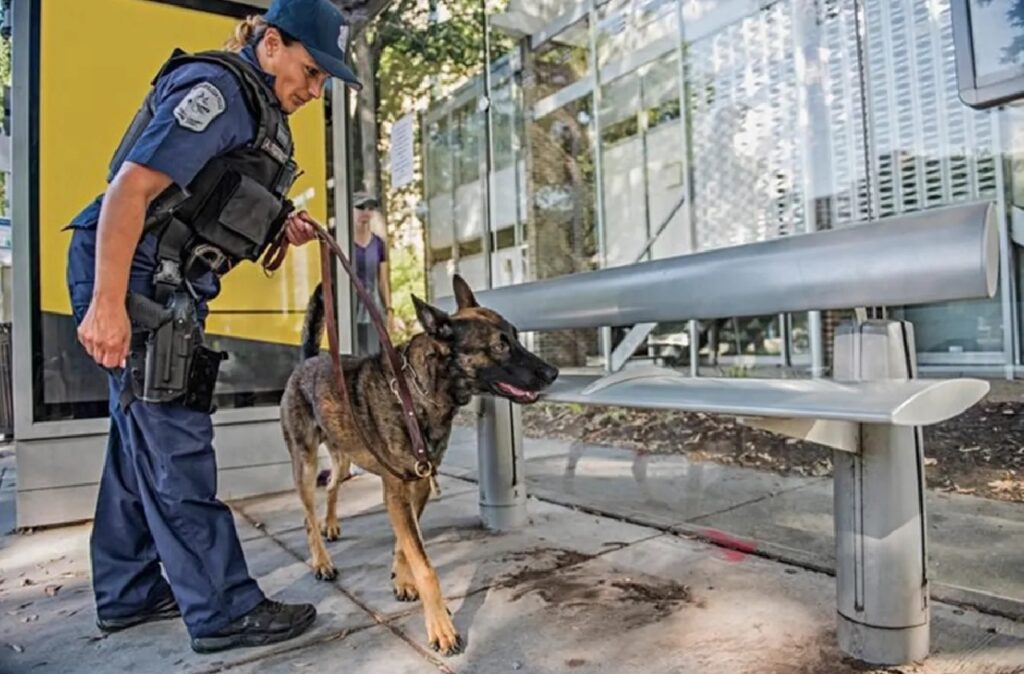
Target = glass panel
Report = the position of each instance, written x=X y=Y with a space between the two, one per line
x=998 y=42
x=661 y=92
x=745 y=137
x=613 y=31
x=665 y=151
x=799 y=335
x=439 y=158
x=622 y=151
x=957 y=327
x=562 y=238
x=930 y=151
x=757 y=336
x=469 y=210
x=508 y=263
x=627 y=26
x=562 y=60
x=468 y=143
x=505 y=118
x=440 y=233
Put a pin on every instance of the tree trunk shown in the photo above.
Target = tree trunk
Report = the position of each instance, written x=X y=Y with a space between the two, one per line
x=366 y=113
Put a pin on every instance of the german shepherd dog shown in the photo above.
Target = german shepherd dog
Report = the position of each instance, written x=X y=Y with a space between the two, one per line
x=473 y=351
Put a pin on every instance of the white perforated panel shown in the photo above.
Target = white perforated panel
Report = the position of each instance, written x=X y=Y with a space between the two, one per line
x=929 y=148
x=746 y=154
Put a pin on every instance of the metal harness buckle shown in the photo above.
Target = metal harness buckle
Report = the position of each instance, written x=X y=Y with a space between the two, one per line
x=214 y=259
x=424 y=469
x=168 y=273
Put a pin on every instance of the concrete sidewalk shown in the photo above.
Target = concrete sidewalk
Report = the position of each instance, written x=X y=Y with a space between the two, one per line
x=976 y=545
x=574 y=592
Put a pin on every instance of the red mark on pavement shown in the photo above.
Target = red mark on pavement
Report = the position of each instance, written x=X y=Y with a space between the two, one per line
x=736 y=549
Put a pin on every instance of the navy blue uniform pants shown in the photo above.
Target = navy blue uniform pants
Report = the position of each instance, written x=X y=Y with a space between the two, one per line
x=157 y=504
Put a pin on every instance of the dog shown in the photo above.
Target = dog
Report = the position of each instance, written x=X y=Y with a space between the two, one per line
x=471 y=352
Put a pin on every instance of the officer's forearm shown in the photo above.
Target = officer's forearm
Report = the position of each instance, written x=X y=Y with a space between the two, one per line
x=120 y=226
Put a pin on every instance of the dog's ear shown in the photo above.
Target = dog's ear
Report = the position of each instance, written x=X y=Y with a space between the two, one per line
x=434 y=321
x=463 y=294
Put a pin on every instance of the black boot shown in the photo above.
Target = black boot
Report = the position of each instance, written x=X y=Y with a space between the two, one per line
x=165 y=609
x=268 y=623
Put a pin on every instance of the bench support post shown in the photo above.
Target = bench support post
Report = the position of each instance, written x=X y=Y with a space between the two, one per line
x=502 y=467
x=881 y=555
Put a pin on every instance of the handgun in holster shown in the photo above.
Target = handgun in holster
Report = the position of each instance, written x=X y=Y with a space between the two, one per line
x=176 y=366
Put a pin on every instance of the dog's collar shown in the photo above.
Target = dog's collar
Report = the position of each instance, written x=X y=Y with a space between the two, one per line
x=412 y=379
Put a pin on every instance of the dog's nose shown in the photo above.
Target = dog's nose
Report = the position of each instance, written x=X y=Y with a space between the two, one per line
x=550 y=373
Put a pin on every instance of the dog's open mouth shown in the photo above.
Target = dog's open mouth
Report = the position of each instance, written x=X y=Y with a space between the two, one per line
x=517 y=394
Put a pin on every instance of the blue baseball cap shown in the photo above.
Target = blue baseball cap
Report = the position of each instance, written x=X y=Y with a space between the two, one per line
x=321 y=29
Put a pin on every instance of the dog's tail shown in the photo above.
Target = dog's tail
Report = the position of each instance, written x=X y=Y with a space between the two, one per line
x=313 y=327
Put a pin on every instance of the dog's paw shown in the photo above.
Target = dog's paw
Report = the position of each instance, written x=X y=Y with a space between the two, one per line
x=443 y=636
x=330 y=530
x=405 y=591
x=325 y=571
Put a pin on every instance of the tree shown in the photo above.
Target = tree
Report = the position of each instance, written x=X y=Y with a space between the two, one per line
x=408 y=52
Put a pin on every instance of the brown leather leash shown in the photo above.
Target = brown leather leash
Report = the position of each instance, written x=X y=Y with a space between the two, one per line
x=328 y=246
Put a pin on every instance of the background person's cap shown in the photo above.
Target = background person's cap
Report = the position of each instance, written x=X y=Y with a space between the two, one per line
x=364 y=200
x=321 y=29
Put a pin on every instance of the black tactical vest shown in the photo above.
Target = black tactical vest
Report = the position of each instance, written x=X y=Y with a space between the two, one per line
x=236 y=205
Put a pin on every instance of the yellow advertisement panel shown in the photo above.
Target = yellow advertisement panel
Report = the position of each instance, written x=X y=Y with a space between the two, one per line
x=94 y=67
x=97 y=61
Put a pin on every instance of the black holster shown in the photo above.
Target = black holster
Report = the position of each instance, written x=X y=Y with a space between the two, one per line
x=173 y=365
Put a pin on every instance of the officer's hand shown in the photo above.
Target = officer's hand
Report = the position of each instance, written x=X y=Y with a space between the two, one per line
x=298 y=230
x=105 y=332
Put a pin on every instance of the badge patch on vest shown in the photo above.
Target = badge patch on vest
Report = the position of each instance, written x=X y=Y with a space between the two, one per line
x=200 y=106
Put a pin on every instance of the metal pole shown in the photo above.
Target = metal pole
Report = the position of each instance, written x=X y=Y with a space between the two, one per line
x=690 y=220
x=814 y=134
x=929 y=256
x=694 y=327
x=1008 y=295
x=488 y=159
x=24 y=88
x=604 y=333
x=881 y=546
x=499 y=426
x=787 y=332
x=502 y=465
x=344 y=301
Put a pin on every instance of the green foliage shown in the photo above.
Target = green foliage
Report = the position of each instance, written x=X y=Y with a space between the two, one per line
x=415 y=59
x=406 y=268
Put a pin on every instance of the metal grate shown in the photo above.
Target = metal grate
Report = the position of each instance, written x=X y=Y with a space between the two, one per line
x=747 y=177
x=841 y=82
x=922 y=147
x=929 y=148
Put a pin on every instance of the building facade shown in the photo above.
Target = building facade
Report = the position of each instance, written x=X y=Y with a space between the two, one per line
x=632 y=130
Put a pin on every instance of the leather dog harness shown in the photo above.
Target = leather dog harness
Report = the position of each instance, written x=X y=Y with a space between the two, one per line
x=328 y=246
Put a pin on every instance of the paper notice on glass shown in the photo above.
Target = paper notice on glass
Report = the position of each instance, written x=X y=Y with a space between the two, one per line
x=402 y=152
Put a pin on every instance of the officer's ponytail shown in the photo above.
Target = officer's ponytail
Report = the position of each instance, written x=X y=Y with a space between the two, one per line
x=250 y=31
x=247 y=32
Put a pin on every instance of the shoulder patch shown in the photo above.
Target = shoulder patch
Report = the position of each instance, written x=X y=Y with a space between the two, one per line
x=200 y=106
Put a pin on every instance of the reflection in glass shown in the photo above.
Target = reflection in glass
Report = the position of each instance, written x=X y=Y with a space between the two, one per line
x=562 y=238
x=562 y=60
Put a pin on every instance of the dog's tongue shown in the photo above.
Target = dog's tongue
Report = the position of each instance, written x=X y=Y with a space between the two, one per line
x=515 y=391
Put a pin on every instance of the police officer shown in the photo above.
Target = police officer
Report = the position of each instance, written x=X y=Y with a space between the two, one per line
x=213 y=130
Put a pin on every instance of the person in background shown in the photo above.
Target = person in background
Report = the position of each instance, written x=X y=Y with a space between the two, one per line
x=371 y=261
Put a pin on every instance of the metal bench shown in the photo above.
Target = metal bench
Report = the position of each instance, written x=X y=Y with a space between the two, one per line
x=870 y=412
